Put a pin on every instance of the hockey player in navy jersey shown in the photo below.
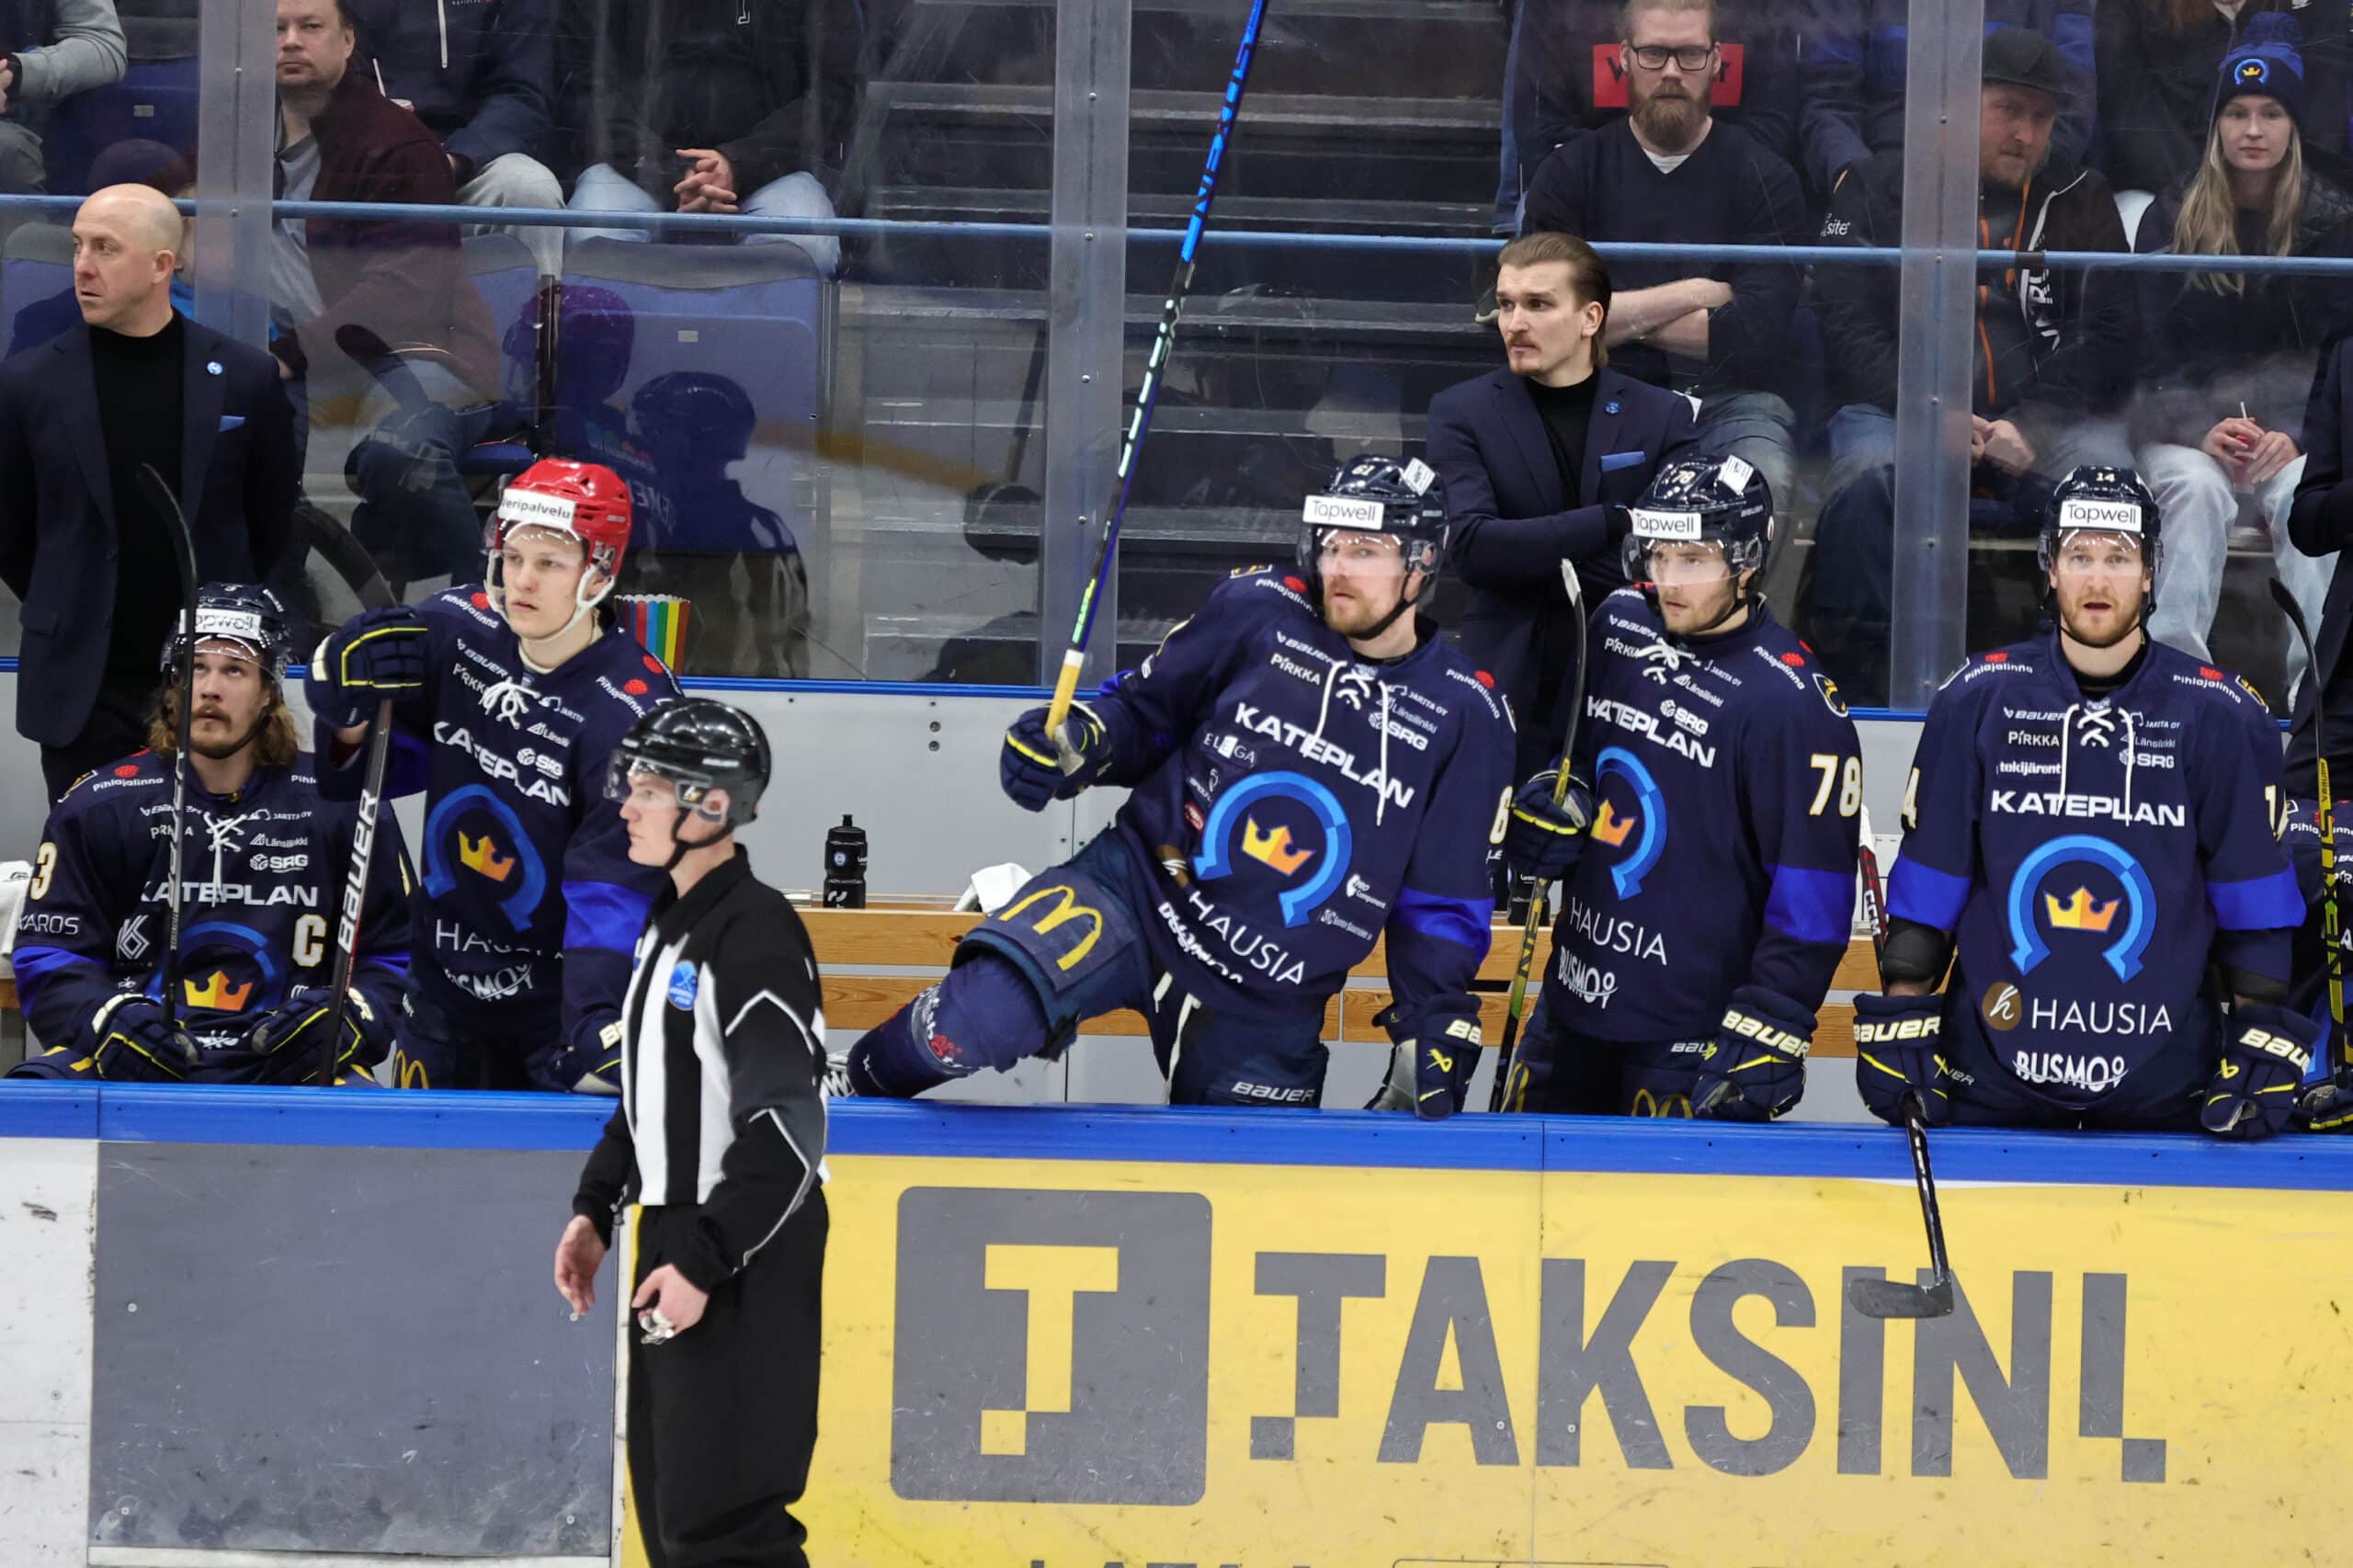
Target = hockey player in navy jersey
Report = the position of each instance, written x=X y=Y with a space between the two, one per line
x=1708 y=875
x=262 y=875
x=508 y=695
x=2091 y=836
x=1311 y=767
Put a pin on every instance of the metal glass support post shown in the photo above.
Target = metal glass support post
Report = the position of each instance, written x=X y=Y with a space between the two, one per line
x=236 y=121
x=1086 y=323
x=1932 y=405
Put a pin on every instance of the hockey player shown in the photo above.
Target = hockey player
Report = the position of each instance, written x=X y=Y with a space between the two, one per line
x=721 y=1135
x=1312 y=766
x=263 y=874
x=1710 y=875
x=2091 y=820
x=508 y=697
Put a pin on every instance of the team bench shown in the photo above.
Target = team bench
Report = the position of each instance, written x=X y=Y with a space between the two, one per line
x=876 y=960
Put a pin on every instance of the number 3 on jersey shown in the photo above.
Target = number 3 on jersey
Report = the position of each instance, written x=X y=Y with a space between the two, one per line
x=1848 y=780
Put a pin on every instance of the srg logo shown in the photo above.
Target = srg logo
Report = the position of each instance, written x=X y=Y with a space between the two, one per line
x=1052 y=1347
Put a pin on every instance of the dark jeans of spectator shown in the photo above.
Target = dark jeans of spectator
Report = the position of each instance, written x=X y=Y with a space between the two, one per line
x=1847 y=605
x=116 y=728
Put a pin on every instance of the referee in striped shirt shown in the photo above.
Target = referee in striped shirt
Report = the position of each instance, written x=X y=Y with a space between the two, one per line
x=721 y=1135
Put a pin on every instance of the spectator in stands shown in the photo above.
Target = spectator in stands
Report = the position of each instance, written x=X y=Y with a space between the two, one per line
x=2321 y=523
x=2159 y=61
x=480 y=75
x=1538 y=462
x=379 y=309
x=1567 y=75
x=2228 y=355
x=2052 y=362
x=722 y=106
x=82 y=541
x=74 y=46
x=1669 y=173
x=1852 y=78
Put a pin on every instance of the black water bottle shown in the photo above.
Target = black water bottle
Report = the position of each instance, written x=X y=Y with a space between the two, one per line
x=845 y=865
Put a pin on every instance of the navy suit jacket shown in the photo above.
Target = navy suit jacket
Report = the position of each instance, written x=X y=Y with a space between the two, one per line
x=237 y=482
x=1512 y=525
x=2320 y=521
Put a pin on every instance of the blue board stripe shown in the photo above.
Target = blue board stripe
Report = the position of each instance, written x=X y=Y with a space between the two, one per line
x=1180 y=1136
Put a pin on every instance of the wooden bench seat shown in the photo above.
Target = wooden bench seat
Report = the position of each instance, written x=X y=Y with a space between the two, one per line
x=858 y=949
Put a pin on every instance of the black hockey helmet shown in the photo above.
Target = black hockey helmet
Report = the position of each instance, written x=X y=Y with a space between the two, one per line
x=242 y=614
x=699 y=744
x=2098 y=498
x=1374 y=494
x=1722 y=501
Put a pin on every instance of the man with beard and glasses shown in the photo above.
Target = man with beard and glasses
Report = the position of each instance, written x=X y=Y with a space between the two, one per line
x=262 y=865
x=2050 y=358
x=1669 y=174
x=2092 y=825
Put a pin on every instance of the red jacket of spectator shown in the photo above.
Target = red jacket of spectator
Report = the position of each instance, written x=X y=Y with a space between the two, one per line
x=404 y=279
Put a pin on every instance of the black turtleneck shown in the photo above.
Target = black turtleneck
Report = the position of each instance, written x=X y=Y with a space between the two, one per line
x=141 y=395
x=1566 y=411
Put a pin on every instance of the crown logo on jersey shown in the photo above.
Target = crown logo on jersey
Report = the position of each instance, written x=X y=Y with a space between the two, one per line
x=217 y=994
x=2080 y=914
x=1610 y=828
x=1274 y=849
x=482 y=855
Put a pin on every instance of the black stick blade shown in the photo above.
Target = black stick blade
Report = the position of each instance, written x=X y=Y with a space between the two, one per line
x=2287 y=606
x=1894 y=1299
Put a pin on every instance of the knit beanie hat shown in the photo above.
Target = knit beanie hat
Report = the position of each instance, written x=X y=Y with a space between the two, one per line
x=2265 y=63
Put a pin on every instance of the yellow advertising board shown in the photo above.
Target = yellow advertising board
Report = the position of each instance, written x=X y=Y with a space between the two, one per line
x=1071 y=1363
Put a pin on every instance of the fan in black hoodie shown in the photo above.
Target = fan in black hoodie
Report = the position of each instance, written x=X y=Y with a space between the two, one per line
x=720 y=105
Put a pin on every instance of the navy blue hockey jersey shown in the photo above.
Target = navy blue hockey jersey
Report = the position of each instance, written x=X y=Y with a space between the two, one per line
x=2094 y=857
x=1292 y=802
x=529 y=904
x=1727 y=783
x=262 y=872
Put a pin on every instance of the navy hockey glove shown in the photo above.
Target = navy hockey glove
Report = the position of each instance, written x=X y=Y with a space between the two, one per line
x=1755 y=1071
x=2254 y=1088
x=590 y=1065
x=1897 y=1039
x=288 y=1039
x=1542 y=839
x=56 y=1066
x=1429 y=1070
x=373 y=656
x=1035 y=768
x=130 y=1040
x=2327 y=1106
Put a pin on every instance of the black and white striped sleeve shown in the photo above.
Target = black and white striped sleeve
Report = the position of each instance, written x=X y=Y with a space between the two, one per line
x=772 y=1031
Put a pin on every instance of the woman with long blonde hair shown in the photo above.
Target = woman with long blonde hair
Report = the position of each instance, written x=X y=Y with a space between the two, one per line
x=2229 y=354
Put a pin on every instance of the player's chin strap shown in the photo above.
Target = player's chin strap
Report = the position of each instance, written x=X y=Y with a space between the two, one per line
x=680 y=844
x=1406 y=601
x=583 y=603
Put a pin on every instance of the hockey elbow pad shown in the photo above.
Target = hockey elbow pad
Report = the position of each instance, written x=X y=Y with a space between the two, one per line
x=2256 y=1084
x=1755 y=1070
x=1899 y=1042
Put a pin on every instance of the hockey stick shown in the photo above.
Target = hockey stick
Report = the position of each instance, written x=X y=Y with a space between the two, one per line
x=159 y=496
x=2325 y=813
x=355 y=886
x=1148 y=395
x=1517 y=1003
x=1893 y=1297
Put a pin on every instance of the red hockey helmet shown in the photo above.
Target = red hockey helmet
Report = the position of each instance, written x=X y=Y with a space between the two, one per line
x=588 y=501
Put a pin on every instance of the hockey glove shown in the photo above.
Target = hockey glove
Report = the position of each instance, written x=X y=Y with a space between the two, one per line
x=2327 y=1106
x=2254 y=1089
x=373 y=656
x=1429 y=1070
x=1755 y=1071
x=1543 y=839
x=1896 y=1043
x=1035 y=768
x=57 y=1065
x=130 y=1040
x=592 y=1065
x=288 y=1040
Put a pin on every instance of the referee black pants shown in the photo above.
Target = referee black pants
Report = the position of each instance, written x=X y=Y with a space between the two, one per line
x=723 y=1419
